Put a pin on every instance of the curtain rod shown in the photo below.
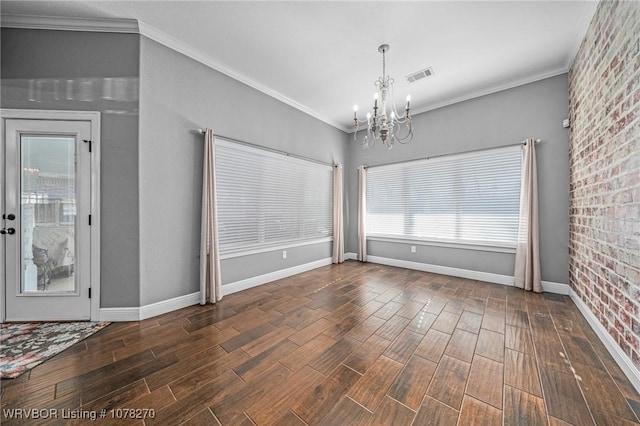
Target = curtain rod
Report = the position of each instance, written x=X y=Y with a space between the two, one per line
x=537 y=141
x=265 y=148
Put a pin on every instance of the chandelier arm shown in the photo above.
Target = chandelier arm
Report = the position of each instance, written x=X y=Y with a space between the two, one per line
x=408 y=137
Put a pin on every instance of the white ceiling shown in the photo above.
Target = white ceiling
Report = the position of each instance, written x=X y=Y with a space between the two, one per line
x=322 y=56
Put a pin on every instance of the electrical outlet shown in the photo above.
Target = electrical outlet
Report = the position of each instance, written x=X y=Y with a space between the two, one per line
x=413 y=249
x=284 y=254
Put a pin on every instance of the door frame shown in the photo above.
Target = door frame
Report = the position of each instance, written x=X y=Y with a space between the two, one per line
x=54 y=115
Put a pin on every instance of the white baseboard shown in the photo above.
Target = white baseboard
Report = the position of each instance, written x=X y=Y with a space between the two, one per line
x=557 y=288
x=272 y=276
x=547 y=286
x=623 y=361
x=148 y=311
x=350 y=256
x=444 y=270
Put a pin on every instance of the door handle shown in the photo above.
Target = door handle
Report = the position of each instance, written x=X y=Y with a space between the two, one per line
x=9 y=231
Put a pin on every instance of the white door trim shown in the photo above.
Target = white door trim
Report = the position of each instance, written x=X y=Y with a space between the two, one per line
x=94 y=118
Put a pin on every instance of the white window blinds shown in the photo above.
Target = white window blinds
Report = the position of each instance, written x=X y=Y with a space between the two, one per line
x=465 y=198
x=267 y=199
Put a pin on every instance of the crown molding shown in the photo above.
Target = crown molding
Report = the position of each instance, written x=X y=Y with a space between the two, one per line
x=69 y=24
x=180 y=47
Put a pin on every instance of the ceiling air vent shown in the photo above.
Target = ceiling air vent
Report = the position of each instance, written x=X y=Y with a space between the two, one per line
x=419 y=75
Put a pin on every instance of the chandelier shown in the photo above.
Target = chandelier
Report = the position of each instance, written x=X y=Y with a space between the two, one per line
x=383 y=121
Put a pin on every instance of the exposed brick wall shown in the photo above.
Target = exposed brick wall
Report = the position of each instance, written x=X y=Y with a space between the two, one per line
x=604 y=156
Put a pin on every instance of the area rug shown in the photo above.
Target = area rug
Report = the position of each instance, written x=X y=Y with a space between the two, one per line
x=25 y=345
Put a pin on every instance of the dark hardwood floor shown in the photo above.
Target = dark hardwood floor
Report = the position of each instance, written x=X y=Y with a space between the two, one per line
x=344 y=345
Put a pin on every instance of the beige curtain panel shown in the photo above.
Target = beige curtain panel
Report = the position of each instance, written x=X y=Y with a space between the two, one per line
x=362 y=214
x=210 y=277
x=338 y=220
x=527 y=266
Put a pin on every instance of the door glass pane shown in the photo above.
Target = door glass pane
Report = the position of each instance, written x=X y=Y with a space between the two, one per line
x=48 y=213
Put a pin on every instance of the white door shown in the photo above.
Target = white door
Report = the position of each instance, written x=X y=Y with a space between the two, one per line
x=45 y=224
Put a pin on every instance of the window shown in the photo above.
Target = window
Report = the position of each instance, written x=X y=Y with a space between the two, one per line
x=468 y=198
x=266 y=199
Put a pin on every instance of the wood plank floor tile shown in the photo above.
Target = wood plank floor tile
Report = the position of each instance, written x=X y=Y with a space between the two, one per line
x=256 y=365
x=204 y=417
x=299 y=318
x=268 y=340
x=470 y=321
x=486 y=381
x=369 y=391
x=563 y=397
x=402 y=348
x=367 y=354
x=579 y=350
x=449 y=381
x=290 y=419
x=347 y=412
x=435 y=305
x=601 y=392
x=204 y=343
x=446 y=322
x=308 y=352
x=522 y=408
x=273 y=405
x=518 y=318
x=243 y=396
x=388 y=310
x=167 y=375
x=518 y=339
x=550 y=353
x=412 y=383
x=207 y=372
x=311 y=331
x=433 y=345
x=477 y=413
x=493 y=321
x=392 y=327
x=98 y=388
x=491 y=345
x=475 y=304
x=118 y=397
x=410 y=310
x=462 y=345
x=422 y=322
x=434 y=412
x=156 y=400
x=454 y=306
x=521 y=371
x=198 y=399
x=392 y=413
x=247 y=337
x=319 y=400
x=366 y=328
x=332 y=357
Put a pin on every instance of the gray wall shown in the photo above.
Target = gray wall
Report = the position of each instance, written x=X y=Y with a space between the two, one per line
x=510 y=116
x=50 y=59
x=177 y=95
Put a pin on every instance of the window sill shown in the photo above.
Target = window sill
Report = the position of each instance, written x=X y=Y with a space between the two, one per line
x=498 y=248
x=230 y=254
